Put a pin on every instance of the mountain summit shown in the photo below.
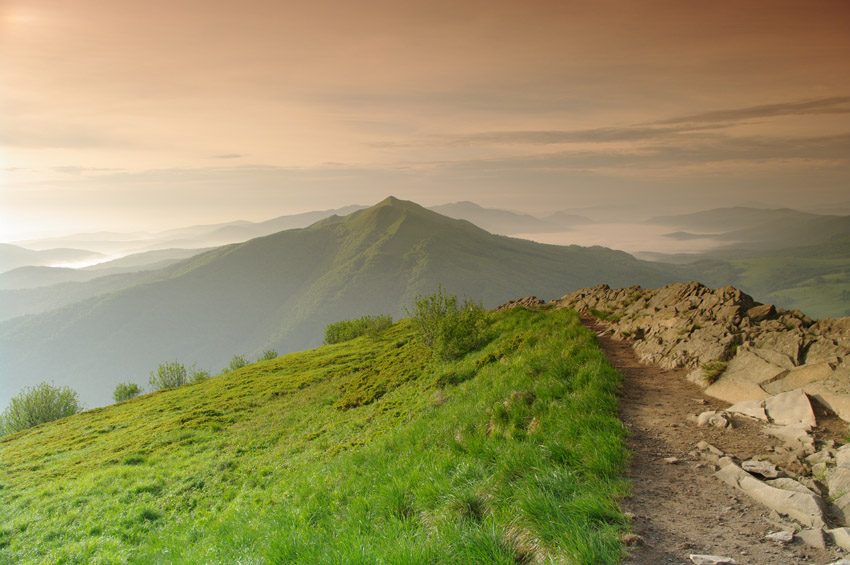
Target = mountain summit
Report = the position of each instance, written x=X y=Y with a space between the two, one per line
x=281 y=290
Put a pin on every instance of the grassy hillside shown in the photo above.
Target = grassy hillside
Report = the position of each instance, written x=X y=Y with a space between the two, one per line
x=361 y=452
x=281 y=290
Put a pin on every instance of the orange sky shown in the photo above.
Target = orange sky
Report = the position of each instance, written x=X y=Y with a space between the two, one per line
x=127 y=114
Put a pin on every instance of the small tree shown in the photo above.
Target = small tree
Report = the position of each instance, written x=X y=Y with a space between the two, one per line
x=168 y=375
x=268 y=355
x=237 y=362
x=37 y=405
x=448 y=327
x=126 y=391
x=197 y=375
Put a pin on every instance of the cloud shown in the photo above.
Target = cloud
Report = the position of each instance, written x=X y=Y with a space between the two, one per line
x=596 y=135
x=833 y=105
x=228 y=156
x=71 y=170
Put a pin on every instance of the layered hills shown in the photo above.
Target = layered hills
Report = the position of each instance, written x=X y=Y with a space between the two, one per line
x=281 y=290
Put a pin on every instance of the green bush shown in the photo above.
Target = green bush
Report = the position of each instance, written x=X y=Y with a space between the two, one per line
x=346 y=330
x=197 y=375
x=126 y=391
x=37 y=405
x=268 y=355
x=168 y=375
x=237 y=362
x=448 y=327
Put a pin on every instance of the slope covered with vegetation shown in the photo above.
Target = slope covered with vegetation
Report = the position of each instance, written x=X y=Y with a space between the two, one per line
x=280 y=291
x=368 y=451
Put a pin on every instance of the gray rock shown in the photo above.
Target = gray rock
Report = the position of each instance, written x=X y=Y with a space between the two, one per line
x=742 y=377
x=805 y=508
x=750 y=408
x=764 y=468
x=841 y=537
x=799 y=377
x=797 y=438
x=842 y=456
x=838 y=481
x=701 y=559
x=790 y=409
x=812 y=537
x=791 y=485
x=763 y=312
x=783 y=537
x=841 y=509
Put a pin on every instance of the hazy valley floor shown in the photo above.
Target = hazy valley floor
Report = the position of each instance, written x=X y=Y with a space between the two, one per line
x=681 y=509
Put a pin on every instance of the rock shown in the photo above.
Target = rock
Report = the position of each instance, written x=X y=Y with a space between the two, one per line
x=841 y=507
x=786 y=536
x=837 y=481
x=764 y=468
x=833 y=392
x=841 y=537
x=805 y=508
x=790 y=409
x=742 y=377
x=671 y=460
x=842 y=456
x=818 y=470
x=795 y=437
x=705 y=446
x=791 y=485
x=760 y=313
x=799 y=377
x=823 y=456
x=774 y=357
x=840 y=562
x=781 y=340
x=700 y=559
x=714 y=418
x=813 y=537
x=751 y=408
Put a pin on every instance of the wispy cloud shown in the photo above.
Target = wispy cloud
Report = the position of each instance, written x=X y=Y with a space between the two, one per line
x=833 y=105
x=228 y=156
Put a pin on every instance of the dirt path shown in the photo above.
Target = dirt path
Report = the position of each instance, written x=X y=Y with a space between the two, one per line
x=681 y=508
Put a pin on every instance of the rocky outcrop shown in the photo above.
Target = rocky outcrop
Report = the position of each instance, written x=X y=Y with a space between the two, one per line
x=738 y=349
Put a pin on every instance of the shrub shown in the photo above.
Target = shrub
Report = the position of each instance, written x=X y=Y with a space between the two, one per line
x=346 y=330
x=268 y=355
x=37 y=405
x=126 y=391
x=197 y=375
x=237 y=362
x=448 y=327
x=168 y=375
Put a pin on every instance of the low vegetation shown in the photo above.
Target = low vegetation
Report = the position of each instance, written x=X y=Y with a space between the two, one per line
x=512 y=453
x=346 y=330
x=37 y=405
x=448 y=327
x=126 y=391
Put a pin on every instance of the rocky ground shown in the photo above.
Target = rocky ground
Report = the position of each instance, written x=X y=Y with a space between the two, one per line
x=678 y=507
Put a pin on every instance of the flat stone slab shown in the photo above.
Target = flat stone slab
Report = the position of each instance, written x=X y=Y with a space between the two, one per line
x=702 y=559
x=838 y=481
x=751 y=408
x=799 y=377
x=790 y=409
x=805 y=508
x=742 y=379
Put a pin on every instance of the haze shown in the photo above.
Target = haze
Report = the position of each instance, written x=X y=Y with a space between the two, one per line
x=148 y=115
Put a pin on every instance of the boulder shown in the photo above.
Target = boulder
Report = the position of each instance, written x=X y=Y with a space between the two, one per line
x=790 y=409
x=790 y=485
x=783 y=537
x=801 y=376
x=833 y=392
x=796 y=437
x=841 y=537
x=837 y=481
x=760 y=467
x=742 y=377
x=759 y=313
x=805 y=508
x=813 y=537
x=751 y=408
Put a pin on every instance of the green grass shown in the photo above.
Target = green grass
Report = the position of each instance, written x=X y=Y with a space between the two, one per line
x=361 y=452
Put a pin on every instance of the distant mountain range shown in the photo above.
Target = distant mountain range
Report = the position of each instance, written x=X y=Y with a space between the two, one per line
x=281 y=290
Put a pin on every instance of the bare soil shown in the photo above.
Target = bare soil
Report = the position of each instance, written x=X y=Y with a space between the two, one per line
x=680 y=508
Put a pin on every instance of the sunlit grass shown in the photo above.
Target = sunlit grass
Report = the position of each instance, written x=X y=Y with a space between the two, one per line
x=361 y=452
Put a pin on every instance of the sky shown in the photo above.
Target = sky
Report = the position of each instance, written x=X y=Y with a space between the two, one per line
x=129 y=115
